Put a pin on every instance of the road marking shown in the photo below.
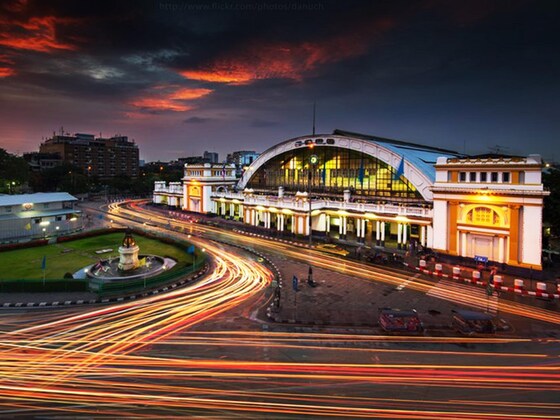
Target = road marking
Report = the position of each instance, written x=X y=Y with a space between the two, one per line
x=405 y=283
x=464 y=294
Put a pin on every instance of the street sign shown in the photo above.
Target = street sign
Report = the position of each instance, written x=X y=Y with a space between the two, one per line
x=295 y=283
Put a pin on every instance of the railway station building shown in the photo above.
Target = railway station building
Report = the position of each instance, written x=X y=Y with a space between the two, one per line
x=380 y=192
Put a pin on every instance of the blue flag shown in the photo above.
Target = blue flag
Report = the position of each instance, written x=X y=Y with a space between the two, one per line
x=44 y=263
x=361 y=172
x=400 y=170
x=190 y=250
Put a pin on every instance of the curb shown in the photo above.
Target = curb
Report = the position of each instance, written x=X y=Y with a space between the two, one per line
x=105 y=300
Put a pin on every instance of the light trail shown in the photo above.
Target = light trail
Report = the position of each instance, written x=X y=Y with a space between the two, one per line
x=143 y=359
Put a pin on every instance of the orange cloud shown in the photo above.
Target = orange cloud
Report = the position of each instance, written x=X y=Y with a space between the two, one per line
x=6 y=72
x=186 y=94
x=170 y=98
x=287 y=61
x=35 y=34
x=159 y=104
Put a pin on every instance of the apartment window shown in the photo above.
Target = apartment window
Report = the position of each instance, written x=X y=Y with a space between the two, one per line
x=506 y=177
x=472 y=176
x=494 y=177
x=483 y=177
x=462 y=176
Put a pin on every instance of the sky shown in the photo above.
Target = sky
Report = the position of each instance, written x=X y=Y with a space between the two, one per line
x=184 y=76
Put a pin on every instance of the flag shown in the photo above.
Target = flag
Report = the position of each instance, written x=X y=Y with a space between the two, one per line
x=28 y=226
x=44 y=263
x=361 y=172
x=190 y=250
x=400 y=170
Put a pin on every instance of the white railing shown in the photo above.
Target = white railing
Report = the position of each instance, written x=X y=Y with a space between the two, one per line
x=322 y=204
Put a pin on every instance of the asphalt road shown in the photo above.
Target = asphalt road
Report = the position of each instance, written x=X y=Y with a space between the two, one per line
x=205 y=350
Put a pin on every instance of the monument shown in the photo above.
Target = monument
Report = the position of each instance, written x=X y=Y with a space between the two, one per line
x=128 y=253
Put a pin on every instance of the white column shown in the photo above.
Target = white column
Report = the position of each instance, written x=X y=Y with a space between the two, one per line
x=279 y=223
x=430 y=237
x=437 y=239
x=231 y=210
x=377 y=231
x=344 y=227
x=463 y=252
x=364 y=221
x=383 y=233
x=254 y=217
x=405 y=234
x=399 y=235
x=327 y=223
x=358 y=223
x=501 y=249
x=423 y=235
x=340 y=228
x=293 y=223
x=223 y=211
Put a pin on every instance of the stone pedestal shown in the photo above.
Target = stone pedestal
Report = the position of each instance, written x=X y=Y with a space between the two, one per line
x=128 y=257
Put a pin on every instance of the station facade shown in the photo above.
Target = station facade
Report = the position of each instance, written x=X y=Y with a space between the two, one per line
x=379 y=192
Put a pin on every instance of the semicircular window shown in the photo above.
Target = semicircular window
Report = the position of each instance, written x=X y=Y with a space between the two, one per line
x=336 y=169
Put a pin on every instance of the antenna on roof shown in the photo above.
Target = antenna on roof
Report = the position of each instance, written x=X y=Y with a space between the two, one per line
x=314 y=118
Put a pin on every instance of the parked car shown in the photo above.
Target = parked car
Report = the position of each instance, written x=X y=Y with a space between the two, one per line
x=332 y=248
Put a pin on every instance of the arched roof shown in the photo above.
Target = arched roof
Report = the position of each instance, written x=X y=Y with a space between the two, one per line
x=418 y=160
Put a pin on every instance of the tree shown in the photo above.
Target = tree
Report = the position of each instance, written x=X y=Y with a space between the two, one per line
x=551 y=213
x=14 y=172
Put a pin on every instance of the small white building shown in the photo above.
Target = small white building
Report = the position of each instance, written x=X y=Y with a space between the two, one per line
x=194 y=193
x=35 y=216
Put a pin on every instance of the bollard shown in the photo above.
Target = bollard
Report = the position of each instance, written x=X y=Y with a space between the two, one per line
x=541 y=288
x=422 y=264
x=518 y=286
x=456 y=272
x=438 y=269
x=498 y=282
x=475 y=276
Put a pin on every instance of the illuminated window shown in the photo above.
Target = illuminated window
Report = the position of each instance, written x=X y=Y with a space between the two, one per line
x=484 y=216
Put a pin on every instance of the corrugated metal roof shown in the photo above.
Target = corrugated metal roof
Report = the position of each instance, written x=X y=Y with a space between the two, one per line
x=422 y=157
x=34 y=214
x=37 y=198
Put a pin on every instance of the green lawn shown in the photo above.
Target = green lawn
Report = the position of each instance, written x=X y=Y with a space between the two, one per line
x=71 y=256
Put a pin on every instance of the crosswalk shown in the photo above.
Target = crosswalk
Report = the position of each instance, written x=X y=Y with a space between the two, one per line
x=465 y=294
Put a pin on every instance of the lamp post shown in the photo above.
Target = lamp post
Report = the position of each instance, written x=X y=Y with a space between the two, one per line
x=313 y=159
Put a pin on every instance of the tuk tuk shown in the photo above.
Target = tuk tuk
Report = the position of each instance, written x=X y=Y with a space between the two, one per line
x=471 y=322
x=397 y=320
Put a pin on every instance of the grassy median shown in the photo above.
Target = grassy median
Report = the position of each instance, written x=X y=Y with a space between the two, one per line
x=69 y=257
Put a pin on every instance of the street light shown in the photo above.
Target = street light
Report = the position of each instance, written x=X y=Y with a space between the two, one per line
x=313 y=159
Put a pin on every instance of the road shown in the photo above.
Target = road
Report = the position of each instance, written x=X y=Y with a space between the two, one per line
x=179 y=354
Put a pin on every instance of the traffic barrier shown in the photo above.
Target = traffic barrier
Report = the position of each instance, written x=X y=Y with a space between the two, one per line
x=498 y=282
x=422 y=264
x=475 y=276
x=438 y=269
x=541 y=289
x=456 y=273
x=518 y=286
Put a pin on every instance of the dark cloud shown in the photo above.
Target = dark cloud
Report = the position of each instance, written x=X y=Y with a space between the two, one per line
x=197 y=120
x=431 y=71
